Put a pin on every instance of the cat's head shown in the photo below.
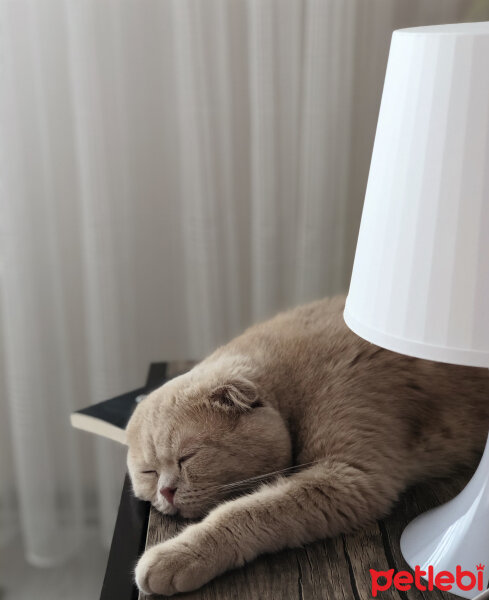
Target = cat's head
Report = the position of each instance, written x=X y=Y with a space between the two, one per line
x=200 y=432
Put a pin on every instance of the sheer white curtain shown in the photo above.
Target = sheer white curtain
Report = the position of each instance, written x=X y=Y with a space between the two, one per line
x=171 y=170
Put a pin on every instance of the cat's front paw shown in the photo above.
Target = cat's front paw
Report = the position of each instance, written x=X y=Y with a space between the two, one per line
x=175 y=566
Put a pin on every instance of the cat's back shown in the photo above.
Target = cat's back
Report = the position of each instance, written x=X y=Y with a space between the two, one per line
x=312 y=357
x=342 y=385
x=303 y=337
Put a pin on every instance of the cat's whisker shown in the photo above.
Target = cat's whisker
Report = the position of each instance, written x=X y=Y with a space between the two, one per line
x=270 y=474
x=229 y=487
x=218 y=491
x=246 y=483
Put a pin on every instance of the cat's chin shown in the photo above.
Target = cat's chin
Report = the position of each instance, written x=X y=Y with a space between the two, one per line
x=166 y=510
x=186 y=513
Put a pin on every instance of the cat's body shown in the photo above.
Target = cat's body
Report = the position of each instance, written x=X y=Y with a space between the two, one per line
x=298 y=389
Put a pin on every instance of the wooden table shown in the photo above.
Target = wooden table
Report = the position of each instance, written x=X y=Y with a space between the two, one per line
x=333 y=569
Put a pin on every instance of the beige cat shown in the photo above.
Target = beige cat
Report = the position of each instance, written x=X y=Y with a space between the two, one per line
x=300 y=389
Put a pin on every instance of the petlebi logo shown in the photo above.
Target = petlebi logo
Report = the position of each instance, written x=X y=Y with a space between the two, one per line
x=427 y=580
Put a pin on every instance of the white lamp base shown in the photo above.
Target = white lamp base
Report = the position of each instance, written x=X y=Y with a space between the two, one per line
x=456 y=533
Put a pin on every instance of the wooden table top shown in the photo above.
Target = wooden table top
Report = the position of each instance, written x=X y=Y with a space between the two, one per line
x=333 y=569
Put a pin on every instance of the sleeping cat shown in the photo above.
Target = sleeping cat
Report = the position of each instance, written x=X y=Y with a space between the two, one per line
x=294 y=431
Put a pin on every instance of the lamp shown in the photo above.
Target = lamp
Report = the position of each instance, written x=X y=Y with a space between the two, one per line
x=420 y=281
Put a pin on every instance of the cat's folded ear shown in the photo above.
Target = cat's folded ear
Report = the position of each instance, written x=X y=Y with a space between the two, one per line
x=239 y=394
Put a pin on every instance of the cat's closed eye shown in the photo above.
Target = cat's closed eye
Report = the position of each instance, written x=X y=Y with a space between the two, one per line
x=148 y=472
x=186 y=457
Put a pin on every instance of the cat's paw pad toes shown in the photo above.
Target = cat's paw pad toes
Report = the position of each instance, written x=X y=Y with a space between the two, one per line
x=145 y=569
x=171 y=568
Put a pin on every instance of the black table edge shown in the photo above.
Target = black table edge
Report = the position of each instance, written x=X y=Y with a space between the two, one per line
x=131 y=527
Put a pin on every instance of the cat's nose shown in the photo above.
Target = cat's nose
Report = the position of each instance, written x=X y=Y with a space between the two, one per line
x=168 y=493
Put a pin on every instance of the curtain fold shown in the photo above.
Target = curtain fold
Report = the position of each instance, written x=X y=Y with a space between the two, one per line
x=170 y=171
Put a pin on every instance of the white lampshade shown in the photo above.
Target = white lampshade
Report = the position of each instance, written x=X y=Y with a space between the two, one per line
x=420 y=282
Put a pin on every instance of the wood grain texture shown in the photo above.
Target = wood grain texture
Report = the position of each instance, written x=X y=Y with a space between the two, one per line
x=333 y=569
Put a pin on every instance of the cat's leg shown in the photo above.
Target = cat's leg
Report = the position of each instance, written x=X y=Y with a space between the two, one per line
x=322 y=501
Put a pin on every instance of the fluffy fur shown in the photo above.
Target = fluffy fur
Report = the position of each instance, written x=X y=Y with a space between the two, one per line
x=300 y=389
